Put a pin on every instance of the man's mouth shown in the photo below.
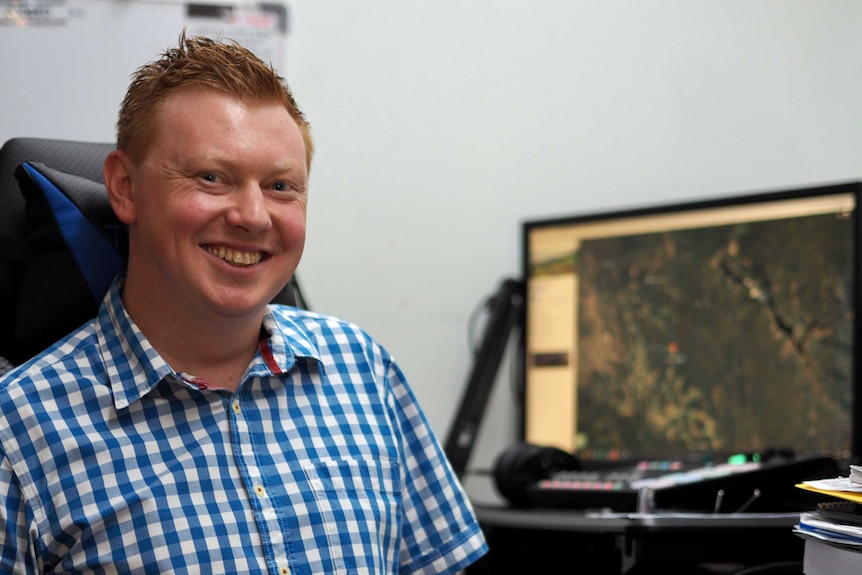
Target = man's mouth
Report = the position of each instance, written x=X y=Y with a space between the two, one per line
x=235 y=257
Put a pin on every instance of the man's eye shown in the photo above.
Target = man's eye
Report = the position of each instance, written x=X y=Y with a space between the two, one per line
x=280 y=187
x=209 y=177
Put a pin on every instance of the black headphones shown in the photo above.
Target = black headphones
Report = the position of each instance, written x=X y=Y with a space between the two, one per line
x=523 y=464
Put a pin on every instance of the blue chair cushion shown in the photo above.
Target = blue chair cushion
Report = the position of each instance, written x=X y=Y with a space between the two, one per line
x=73 y=246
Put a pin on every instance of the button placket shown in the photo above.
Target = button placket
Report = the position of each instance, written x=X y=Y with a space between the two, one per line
x=254 y=477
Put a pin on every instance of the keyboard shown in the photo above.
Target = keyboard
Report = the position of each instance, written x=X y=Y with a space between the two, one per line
x=650 y=485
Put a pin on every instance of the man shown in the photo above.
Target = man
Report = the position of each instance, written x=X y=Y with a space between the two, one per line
x=190 y=427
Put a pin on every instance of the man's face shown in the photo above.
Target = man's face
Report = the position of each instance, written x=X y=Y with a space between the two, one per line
x=219 y=205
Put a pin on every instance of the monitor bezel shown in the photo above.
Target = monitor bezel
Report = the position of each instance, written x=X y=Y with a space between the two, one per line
x=853 y=188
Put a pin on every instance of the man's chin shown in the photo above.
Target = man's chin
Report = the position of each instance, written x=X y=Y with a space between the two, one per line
x=239 y=304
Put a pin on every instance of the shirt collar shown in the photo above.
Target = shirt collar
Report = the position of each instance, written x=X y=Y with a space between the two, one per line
x=134 y=367
x=132 y=364
x=285 y=340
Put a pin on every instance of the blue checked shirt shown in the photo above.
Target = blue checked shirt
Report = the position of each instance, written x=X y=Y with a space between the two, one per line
x=321 y=462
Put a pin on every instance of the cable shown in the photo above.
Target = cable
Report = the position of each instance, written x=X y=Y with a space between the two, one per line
x=297 y=291
x=473 y=320
x=776 y=568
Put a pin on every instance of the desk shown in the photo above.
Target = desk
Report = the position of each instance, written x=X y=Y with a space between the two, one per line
x=540 y=541
x=662 y=541
x=825 y=559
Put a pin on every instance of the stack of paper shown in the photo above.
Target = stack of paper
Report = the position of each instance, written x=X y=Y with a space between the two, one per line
x=838 y=527
x=837 y=524
x=840 y=487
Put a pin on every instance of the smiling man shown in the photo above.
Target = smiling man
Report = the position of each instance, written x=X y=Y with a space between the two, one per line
x=215 y=203
x=192 y=427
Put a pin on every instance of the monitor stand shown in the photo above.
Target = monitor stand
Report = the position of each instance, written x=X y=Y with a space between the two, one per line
x=507 y=307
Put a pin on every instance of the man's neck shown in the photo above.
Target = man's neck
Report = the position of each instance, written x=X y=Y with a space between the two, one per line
x=217 y=349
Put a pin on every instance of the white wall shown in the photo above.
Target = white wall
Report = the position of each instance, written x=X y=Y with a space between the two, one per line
x=442 y=125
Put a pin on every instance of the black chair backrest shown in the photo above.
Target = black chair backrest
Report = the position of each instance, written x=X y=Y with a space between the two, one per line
x=84 y=159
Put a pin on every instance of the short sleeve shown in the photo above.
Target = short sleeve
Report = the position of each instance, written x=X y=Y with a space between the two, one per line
x=440 y=530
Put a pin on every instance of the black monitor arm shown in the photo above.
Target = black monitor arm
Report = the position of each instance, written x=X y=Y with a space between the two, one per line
x=507 y=306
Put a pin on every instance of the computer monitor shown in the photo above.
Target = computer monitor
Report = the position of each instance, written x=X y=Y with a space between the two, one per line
x=711 y=327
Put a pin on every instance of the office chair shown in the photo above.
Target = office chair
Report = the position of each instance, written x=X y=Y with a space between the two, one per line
x=21 y=334
x=60 y=243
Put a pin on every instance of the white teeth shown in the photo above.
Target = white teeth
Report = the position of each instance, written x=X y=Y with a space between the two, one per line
x=235 y=257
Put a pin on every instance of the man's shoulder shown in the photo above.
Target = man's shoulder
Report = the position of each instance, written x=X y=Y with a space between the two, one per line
x=319 y=334
x=73 y=357
x=314 y=323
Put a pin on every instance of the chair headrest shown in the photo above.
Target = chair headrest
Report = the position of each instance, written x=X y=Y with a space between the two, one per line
x=60 y=242
x=46 y=210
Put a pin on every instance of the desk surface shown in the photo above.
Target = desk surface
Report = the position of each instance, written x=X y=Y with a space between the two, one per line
x=666 y=542
x=535 y=540
x=605 y=522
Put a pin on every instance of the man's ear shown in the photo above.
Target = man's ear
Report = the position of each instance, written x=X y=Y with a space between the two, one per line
x=118 y=172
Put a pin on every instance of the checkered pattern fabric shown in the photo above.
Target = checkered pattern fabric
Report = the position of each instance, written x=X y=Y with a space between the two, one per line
x=320 y=462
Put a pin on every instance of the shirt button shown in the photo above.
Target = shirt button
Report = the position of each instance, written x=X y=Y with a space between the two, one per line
x=284 y=570
x=260 y=491
x=235 y=406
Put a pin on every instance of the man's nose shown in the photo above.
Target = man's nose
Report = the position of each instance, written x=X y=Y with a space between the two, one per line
x=249 y=209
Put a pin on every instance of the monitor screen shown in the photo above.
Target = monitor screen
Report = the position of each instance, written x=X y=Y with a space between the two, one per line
x=712 y=327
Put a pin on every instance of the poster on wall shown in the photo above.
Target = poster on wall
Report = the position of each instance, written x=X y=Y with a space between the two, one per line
x=68 y=62
x=262 y=28
x=27 y=13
